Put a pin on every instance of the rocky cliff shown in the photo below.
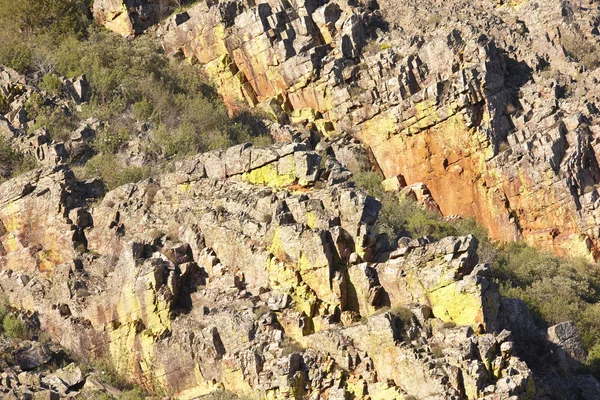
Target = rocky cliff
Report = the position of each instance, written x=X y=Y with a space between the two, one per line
x=263 y=270
x=258 y=270
x=202 y=277
x=492 y=105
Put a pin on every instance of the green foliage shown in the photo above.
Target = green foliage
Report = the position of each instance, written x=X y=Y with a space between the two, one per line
x=555 y=289
x=289 y=346
x=58 y=121
x=400 y=216
x=112 y=172
x=4 y=307
x=58 y=17
x=106 y=373
x=93 y=395
x=133 y=394
x=186 y=114
x=226 y=395
x=404 y=314
x=12 y=162
x=23 y=22
x=14 y=328
x=143 y=109
x=34 y=104
x=14 y=53
x=130 y=82
x=581 y=49
x=109 y=141
x=52 y=84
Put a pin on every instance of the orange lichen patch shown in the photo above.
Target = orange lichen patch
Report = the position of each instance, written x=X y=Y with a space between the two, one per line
x=450 y=159
x=317 y=98
x=48 y=259
x=299 y=189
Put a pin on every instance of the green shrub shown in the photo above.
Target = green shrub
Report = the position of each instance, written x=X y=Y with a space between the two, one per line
x=226 y=395
x=143 y=109
x=59 y=122
x=52 y=84
x=400 y=216
x=133 y=394
x=23 y=23
x=12 y=162
x=187 y=115
x=57 y=17
x=581 y=49
x=556 y=289
x=290 y=346
x=14 y=328
x=105 y=373
x=404 y=314
x=14 y=52
x=4 y=306
x=109 y=141
x=112 y=172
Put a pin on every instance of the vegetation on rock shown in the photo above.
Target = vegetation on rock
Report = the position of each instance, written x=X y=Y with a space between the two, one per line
x=13 y=162
x=136 y=91
x=289 y=246
x=556 y=289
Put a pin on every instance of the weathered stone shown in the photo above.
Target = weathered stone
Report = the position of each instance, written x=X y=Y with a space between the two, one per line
x=33 y=357
x=571 y=353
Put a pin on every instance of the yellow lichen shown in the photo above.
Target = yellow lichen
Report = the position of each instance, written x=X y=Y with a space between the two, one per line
x=184 y=187
x=269 y=175
x=311 y=220
x=453 y=304
x=48 y=259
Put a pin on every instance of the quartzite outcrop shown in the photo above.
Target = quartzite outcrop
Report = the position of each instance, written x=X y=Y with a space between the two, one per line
x=259 y=270
x=492 y=105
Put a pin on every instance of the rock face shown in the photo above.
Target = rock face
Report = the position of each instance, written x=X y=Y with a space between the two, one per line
x=130 y=17
x=257 y=270
x=490 y=106
x=261 y=270
x=16 y=93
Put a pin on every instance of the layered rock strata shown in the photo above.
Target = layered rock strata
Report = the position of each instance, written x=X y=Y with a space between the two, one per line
x=257 y=270
x=492 y=107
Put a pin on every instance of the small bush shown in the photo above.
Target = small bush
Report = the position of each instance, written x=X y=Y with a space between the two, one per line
x=143 y=109
x=106 y=373
x=437 y=351
x=399 y=216
x=225 y=395
x=59 y=122
x=261 y=310
x=133 y=394
x=14 y=328
x=289 y=346
x=112 y=172
x=12 y=162
x=52 y=84
x=14 y=53
x=581 y=49
x=110 y=141
x=404 y=314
